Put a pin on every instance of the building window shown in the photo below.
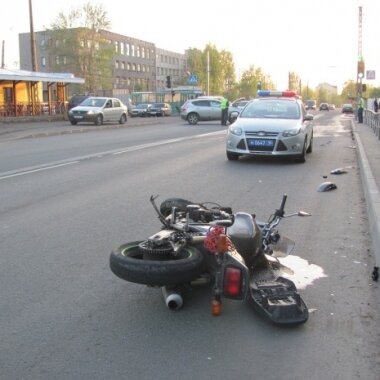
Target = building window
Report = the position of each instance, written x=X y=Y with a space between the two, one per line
x=57 y=59
x=142 y=52
x=133 y=50
x=127 y=49
x=56 y=43
x=64 y=60
x=143 y=68
x=121 y=48
x=128 y=66
x=138 y=51
x=133 y=67
x=43 y=61
x=123 y=65
x=116 y=46
x=116 y=64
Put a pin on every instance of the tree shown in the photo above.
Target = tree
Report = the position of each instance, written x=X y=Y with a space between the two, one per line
x=76 y=45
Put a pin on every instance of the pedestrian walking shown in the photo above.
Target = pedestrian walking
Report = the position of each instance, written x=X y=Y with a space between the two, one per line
x=375 y=105
x=360 y=110
x=224 y=107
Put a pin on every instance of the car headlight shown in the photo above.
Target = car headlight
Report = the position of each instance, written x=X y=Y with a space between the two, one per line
x=91 y=112
x=291 y=132
x=235 y=130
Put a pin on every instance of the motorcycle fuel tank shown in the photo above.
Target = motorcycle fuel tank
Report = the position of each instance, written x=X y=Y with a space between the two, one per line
x=245 y=235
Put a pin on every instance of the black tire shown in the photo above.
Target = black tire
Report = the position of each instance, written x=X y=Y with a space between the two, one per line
x=123 y=119
x=73 y=122
x=302 y=157
x=192 y=118
x=98 y=120
x=167 y=205
x=310 y=148
x=232 y=156
x=128 y=263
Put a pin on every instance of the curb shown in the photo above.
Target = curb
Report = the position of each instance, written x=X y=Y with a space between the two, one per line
x=372 y=196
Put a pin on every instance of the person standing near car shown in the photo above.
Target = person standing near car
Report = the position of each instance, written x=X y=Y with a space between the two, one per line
x=360 y=110
x=224 y=107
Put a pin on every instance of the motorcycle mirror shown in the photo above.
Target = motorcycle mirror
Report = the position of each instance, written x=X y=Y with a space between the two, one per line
x=303 y=213
x=327 y=186
x=338 y=171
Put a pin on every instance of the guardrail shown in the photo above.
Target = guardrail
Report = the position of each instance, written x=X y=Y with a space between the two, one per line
x=372 y=119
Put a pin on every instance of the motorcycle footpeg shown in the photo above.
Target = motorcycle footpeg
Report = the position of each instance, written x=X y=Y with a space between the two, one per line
x=279 y=300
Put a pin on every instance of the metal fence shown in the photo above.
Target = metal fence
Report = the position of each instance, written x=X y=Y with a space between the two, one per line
x=372 y=119
x=35 y=109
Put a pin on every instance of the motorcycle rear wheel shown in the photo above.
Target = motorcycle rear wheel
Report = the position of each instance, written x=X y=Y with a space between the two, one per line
x=128 y=263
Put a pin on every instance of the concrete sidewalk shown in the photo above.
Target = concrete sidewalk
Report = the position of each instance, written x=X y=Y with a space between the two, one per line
x=368 y=147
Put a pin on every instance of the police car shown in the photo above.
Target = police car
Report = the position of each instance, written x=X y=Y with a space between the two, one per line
x=275 y=123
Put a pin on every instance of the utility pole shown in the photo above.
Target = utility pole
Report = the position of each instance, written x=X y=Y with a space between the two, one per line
x=32 y=38
x=2 y=55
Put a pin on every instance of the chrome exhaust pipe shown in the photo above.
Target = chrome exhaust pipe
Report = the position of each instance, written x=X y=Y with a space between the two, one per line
x=173 y=299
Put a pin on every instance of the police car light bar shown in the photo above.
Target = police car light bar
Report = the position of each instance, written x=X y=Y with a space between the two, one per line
x=287 y=94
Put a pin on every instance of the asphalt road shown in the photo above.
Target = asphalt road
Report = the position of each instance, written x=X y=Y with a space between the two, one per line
x=68 y=200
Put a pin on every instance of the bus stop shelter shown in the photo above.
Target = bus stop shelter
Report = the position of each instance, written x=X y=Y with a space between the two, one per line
x=28 y=93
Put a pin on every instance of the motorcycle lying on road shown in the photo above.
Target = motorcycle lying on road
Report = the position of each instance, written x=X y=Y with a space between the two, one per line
x=234 y=252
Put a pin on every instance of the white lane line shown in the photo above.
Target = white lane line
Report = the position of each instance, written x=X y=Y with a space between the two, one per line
x=74 y=160
x=38 y=170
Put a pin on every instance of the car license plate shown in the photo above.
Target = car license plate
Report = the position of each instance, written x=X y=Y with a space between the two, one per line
x=253 y=143
x=78 y=117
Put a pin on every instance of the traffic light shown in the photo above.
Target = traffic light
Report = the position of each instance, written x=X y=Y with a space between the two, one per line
x=168 y=82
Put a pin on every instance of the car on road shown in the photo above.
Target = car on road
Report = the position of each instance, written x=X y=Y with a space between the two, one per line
x=141 y=110
x=347 y=108
x=195 y=110
x=160 y=109
x=324 y=107
x=75 y=100
x=236 y=105
x=311 y=104
x=275 y=123
x=98 y=110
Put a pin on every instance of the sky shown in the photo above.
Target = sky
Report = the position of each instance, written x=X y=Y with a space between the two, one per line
x=319 y=40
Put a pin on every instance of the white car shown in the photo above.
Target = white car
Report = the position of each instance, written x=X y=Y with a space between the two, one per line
x=273 y=124
x=98 y=110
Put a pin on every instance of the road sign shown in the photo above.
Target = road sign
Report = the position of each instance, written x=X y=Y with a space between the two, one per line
x=193 y=79
x=370 y=74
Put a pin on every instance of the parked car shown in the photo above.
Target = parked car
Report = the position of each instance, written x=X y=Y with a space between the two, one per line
x=274 y=124
x=160 y=109
x=141 y=110
x=347 y=108
x=237 y=105
x=324 y=107
x=76 y=100
x=195 y=110
x=99 y=110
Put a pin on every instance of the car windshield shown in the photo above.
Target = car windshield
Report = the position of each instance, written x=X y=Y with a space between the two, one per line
x=159 y=105
x=93 y=102
x=271 y=109
x=142 y=106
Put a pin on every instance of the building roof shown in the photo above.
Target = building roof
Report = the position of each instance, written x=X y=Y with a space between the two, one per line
x=35 y=76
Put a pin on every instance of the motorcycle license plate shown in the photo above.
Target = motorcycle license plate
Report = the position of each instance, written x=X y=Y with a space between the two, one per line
x=268 y=143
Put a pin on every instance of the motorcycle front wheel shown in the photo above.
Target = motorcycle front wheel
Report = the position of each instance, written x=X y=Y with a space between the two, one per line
x=128 y=263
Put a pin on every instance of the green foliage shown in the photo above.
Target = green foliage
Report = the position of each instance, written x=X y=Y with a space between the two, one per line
x=76 y=46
